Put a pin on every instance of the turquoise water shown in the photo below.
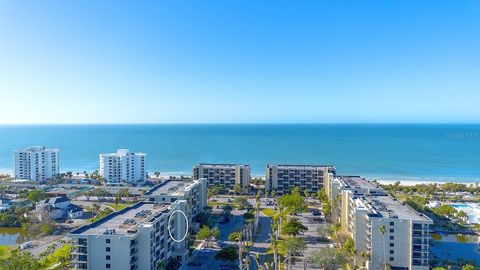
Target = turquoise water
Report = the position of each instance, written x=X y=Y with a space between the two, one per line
x=435 y=152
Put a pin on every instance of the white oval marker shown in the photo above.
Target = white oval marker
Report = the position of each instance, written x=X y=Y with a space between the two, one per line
x=168 y=226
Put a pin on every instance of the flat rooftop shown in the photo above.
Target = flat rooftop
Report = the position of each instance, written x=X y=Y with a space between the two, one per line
x=169 y=187
x=220 y=165
x=299 y=166
x=358 y=182
x=124 y=221
x=391 y=207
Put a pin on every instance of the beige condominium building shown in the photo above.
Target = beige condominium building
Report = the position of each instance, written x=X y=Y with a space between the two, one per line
x=224 y=175
x=309 y=178
x=384 y=230
x=143 y=235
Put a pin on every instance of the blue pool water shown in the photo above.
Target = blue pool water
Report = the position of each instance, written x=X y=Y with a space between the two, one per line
x=434 y=152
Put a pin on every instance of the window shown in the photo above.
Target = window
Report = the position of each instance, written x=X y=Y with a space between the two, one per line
x=391 y=259
x=392 y=230
x=107 y=265
x=107 y=241
x=392 y=244
x=391 y=251
x=392 y=237
x=107 y=257
x=107 y=249
x=392 y=223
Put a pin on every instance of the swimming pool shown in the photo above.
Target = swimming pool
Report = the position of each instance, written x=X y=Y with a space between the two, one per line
x=472 y=210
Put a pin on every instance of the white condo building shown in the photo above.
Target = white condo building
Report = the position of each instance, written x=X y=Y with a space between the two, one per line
x=309 y=178
x=123 y=167
x=223 y=175
x=36 y=163
x=193 y=192
x=141 y=236
x=384 y=230
x=134 y=238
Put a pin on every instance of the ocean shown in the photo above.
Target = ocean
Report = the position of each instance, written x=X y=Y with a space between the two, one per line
x=438 y=152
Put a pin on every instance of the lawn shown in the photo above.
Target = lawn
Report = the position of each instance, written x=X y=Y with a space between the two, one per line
x=269 y=212
x=5 y=251
x=119 y=206
x=61 y=255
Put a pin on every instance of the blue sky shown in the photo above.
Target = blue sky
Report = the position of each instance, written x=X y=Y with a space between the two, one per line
x=239 y=61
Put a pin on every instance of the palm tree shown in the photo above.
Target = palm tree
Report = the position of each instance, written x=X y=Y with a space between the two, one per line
x=275 y=250
x=95 y=208
x=3 y=190
x=383 y=230
x=237 y=189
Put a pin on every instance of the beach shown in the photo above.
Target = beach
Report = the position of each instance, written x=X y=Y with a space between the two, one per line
x=420 y=153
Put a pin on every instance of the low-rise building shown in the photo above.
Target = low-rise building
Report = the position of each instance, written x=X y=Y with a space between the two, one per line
x=223 y=175
x=60 y=207
x=137 y=237
x=36 y=163
x=123 y=167
x=309 y=178
x=385 y=231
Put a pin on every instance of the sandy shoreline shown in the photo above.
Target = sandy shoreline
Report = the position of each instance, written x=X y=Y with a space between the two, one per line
x=392 y=180
x=413 y=182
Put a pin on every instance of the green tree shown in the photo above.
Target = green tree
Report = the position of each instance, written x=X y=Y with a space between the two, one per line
x=468 y=267
x=207 y=234
x=349 y=246
x=19 y=260
x=293 y=203
x=241 y=202
x=445 y=210
x=229 y=253
x=36 y=195
x=237 y=189
x=293 y=227
x=328 y=258
x=293 y=247
x=235 y=236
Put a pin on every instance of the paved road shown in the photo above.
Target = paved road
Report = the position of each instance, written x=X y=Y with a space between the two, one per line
x=311 y=237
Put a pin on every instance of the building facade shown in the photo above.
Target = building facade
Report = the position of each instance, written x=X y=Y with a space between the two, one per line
x=123 y=167
x=134 y=238
x=385 y=231
x=193 y=192
x=36 y=163
x=224 y=175
x=309 y=178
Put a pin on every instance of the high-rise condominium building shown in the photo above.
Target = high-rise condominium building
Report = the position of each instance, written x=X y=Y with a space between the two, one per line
x=309 y=178
x=36 y=163
x=193 y=192
x=143 y=235
x=123 y=167
x=384 y=230
x=134 y=238
x=224 y=175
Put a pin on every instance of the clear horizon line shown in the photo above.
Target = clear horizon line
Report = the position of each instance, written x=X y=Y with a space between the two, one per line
x=243 y=123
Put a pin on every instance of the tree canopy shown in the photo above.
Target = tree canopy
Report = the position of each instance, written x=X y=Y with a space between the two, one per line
x=228 y=253
x=328 y=258
x=294 y=202
x=293 y=227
